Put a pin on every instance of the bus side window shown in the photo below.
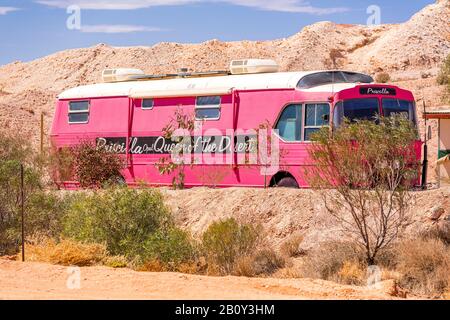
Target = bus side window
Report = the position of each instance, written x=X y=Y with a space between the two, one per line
x=289 y=124
x=147 y=104
x=207 y=108
x=78 y=112
x=317 y=115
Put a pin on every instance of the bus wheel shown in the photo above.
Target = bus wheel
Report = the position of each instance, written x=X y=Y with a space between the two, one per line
x=287 y=182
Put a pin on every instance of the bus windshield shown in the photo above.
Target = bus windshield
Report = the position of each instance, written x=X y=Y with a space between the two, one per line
x=399 y=107
x=356 y=109
x=369 y=109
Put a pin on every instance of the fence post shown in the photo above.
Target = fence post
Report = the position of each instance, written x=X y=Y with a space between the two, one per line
x=42 y=132
x=22 y=210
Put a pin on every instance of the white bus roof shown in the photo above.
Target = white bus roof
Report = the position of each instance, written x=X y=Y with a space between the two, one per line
x=195 y=86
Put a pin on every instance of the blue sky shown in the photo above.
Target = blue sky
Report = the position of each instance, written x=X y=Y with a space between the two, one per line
x=30 y=29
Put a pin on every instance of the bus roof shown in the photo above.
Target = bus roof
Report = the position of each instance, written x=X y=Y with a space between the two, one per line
x=201 y=86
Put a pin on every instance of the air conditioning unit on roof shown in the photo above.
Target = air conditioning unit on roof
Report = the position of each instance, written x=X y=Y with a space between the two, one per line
x=249 y=66
x=121 y=74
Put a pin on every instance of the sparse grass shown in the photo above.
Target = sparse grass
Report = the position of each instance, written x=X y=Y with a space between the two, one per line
x=424 y=265
x=291 y=247
x=66 y=253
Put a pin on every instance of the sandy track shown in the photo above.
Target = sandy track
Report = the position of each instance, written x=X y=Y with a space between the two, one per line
x=44 y=281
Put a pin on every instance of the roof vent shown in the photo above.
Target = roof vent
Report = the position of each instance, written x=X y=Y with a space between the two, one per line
x=117 y=75
x=248 y=66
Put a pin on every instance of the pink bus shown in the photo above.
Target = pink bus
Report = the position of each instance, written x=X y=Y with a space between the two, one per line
x=128 y=111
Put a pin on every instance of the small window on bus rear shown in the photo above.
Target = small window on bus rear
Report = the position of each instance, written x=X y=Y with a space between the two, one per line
x=147 y=104
x=78 y=112
x=207 y=108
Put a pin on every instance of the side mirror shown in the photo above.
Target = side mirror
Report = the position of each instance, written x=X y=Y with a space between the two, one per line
x=429 y=133
x=326 y=117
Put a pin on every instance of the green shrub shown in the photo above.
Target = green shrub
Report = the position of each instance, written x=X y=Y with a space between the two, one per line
x=172 y=247
x=121 y=218
x=225 y=241
x=44 y=213
x=14 y=151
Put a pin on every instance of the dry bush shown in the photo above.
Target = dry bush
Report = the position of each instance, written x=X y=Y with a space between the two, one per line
x=388 y=274
x=244 y=267
x=439 y=231
x=383 y=77
x=371 y=167
x=327 y=261
x=334 y=56
x=446 y=295
x=116 y=262
x=290 y=272
x=66 y=252
x=152 y=266
x=424 y=265
x=352 y=273
x=191 y=267
x=263 y=262
x=291 y=247
x=267 y=261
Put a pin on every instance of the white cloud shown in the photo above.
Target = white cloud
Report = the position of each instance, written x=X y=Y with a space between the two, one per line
x=6 y=10
x=116 y=28
x=114 y=4
x=296 y=6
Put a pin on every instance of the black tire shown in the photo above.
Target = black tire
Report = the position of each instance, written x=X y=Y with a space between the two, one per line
x=287 y=182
